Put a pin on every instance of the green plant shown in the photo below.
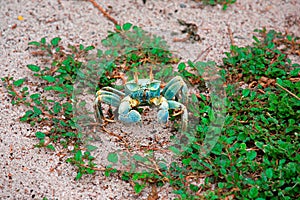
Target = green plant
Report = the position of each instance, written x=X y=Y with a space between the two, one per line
x=53 y=108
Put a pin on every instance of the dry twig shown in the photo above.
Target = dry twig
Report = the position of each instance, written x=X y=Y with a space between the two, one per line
x=103 y=12
x=288 y=91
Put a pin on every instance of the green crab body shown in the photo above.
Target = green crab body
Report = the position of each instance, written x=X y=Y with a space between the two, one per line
x=139 y=92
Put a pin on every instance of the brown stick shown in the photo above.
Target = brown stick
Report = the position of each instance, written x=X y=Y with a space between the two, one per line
x=103 y=12
x=288 y=91
x=230 y=35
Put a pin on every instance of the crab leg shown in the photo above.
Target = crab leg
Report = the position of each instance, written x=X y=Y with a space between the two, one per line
x=110 y=89
x=184 y=116
x=126 y=114
x=107 y=97
x=172 y=88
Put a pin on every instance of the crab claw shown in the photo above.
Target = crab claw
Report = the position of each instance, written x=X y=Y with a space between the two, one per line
x=126 y=114
x=132 y=117
x=163 y=113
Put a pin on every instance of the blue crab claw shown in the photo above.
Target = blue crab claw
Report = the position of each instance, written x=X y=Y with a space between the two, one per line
x=132 y=117
x=163 y=113
x=126 y=114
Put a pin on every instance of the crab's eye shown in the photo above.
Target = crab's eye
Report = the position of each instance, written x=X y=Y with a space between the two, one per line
x=154 y=85
x=132 y=87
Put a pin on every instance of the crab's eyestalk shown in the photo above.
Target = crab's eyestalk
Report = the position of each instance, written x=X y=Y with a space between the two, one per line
x=136 y=78
x=151 y=74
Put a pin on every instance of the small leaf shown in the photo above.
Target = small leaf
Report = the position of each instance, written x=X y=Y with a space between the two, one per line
x=174 y=150
x=91 y=147
x=56 y=107
x=253 y=192
x=40 y=135
x=251 y=155
x=19 y=82
x=35 y=96
x=55 y=41
x=245 y=92
x=78 y=176
x=43 y=41
x=138 y=187
x=89 y=48
x=289 y=38
x=118 y=27
x=127 y=26
x=58 y=89
x=34 y=68
x=90 y=171
x=48 y=78
x=78 y=155
x=269 y=172
x=181 y=66
x=51 y=147
x=37 y=111
x=112 y=157
x=81 y=47
x=194 y=188
x=34 y=43
x=139 y=158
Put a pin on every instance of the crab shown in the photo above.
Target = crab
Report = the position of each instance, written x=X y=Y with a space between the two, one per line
x=141 y=92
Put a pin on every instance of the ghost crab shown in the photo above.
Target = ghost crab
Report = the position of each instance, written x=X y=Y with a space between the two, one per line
x=139 y=92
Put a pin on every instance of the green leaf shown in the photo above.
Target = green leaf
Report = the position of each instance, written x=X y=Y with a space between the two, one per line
x=78 y=176
x=81 y=47
x=127 y=26
x=70 y=134
x=138 y=187
x=43 y=41
x=139 y=158
x=51 y=147
x=112 y=157
x=251 y=155
x=19 y=82
x=78 y=155
x=40 y=135
x=118 y=27
x=90 y=171
x=269 y=173
x=34 y=43
x=34 y=68
x=35 y=96
x=56 y=108
x=91 y=147
x=55 y=88
x=181 y=66
x=174 y=150
x=48 y=78
x=194 y=188
x=37 y=111
x=245 y=92
x=89 y=48
x=253 y=192
x=55 y=41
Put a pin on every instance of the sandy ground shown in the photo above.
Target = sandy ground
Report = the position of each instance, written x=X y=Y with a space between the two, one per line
x=26 y=171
